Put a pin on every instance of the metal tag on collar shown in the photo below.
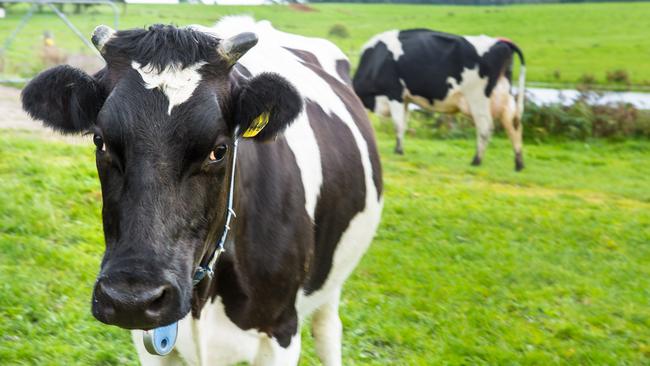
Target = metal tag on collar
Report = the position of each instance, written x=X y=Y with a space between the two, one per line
x=199 y=275
x=202 y=271
x=160 y=341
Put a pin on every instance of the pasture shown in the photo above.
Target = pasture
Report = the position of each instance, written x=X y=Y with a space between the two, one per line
x=563 y=43
x=470 y=266
x=479 y=266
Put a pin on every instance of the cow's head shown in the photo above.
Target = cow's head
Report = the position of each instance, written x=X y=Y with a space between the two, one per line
x=163 y=113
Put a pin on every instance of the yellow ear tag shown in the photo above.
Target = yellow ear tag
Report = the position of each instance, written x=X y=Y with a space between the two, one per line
x=258 y=125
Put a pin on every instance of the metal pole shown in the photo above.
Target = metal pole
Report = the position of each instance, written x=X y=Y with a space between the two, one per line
x=50 y=3
x=74 y=29
x=20 y=27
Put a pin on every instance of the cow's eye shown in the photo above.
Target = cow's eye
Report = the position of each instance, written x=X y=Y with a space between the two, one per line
x=99 y=142
x=218 y=153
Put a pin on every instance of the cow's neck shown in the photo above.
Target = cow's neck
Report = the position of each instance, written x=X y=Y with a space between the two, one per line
x=205 y=290
x=266 y=259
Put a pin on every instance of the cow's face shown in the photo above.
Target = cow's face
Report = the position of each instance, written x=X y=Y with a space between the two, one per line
x=163 y=114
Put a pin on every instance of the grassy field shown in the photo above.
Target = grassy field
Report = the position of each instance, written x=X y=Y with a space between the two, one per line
x=471 y=266
x=562 y=42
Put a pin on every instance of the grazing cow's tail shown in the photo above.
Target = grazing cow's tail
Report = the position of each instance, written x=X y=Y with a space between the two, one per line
x=521 y=88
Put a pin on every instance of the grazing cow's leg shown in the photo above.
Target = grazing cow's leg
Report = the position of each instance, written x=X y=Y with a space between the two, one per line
x=479 y=106
x=519 y=152
x=382 y=106
x=327 y=330
x=398 y=113
x=512 y=125
x=271 y=353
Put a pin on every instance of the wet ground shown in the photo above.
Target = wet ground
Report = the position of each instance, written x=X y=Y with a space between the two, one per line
x=568 y=96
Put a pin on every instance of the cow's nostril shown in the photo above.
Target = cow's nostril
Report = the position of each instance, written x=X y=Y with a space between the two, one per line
x=158 y=300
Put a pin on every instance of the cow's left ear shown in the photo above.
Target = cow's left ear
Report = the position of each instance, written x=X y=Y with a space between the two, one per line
x=265 y=106
x=66 y=99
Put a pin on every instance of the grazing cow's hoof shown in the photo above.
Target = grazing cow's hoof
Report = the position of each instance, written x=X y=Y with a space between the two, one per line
x=519 y=166
x=519 y=162
x=476 y=161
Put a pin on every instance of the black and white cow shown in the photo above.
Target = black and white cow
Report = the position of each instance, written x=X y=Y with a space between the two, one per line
x=443 y=73
x=307 y=194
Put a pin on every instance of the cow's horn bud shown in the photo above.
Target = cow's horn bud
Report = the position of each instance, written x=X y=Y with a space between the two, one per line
x=101 y=35
x=231 y=49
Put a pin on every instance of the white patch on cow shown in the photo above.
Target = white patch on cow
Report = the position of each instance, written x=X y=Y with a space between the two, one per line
x=175 y=82
x=272 y=354
x=302 y=141
x=221 y=342
x=326 y=52
x=481 y=43
x=390 y=39
x=473 y=85
x=327 y=330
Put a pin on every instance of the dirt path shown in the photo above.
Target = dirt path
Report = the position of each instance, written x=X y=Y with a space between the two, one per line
x=13 y=117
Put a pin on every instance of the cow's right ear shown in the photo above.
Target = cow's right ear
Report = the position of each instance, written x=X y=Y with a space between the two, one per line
x=64 y=98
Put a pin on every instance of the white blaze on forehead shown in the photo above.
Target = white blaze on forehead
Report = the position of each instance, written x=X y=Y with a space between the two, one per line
x=390 y=39
x=175 y=82
x=481 y=43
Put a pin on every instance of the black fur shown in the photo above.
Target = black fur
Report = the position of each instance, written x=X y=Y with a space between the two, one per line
x=162 y=45
x=267 y=92
x=64 y=98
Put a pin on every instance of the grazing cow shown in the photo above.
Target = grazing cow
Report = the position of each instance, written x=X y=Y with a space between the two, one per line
x=443 y=73
x=186 y=119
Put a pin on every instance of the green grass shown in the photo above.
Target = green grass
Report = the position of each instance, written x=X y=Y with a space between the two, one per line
x=568 y=39
x=471 y=266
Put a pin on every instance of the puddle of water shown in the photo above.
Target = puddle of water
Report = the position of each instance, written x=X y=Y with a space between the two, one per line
x=543 y=96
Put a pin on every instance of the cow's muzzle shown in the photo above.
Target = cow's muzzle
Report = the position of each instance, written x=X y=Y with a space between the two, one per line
x=131 y=302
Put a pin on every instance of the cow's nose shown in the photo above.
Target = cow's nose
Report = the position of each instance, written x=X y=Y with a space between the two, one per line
x=132 y=306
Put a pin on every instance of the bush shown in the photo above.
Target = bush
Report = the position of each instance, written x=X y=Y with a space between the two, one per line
x=556 y=120
x=578 y=121
x=587 y=79
x=557 y=75
x=339 y=30
x=618 y=76
x=581 y=120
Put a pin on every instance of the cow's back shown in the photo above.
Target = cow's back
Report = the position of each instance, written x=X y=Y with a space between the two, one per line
x=430 y=59
x=429 y=63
